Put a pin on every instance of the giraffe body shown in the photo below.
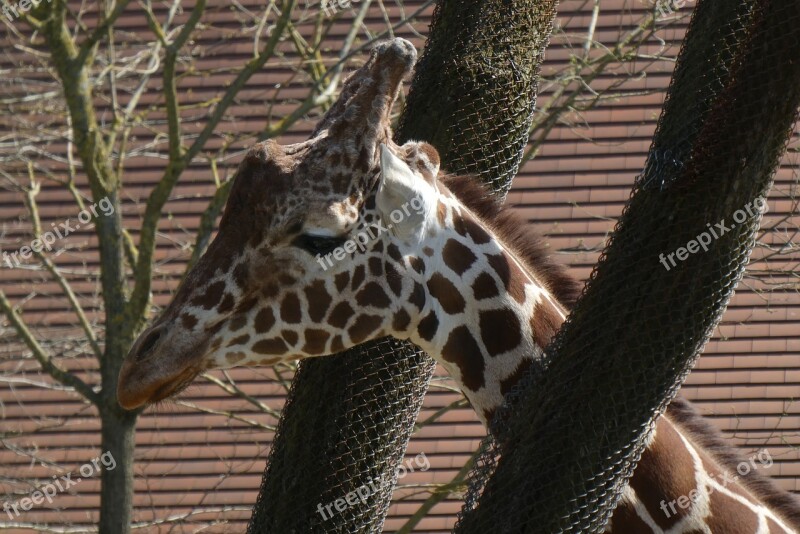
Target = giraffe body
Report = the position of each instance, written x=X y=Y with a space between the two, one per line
x=349 y=237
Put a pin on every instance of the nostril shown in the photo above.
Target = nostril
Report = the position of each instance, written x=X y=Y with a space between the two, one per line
x=148 y=344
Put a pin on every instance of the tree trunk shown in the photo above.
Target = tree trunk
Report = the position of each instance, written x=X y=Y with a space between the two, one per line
x=116 y=495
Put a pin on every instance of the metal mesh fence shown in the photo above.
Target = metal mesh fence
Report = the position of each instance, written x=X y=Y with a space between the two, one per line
x=349 y=417
x=567 y=441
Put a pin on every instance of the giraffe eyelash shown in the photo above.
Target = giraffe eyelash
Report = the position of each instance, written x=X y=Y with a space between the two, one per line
x=318 y=245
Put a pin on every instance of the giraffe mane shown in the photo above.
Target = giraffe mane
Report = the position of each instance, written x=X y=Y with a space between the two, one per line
x=515 y=233
x=686 y=417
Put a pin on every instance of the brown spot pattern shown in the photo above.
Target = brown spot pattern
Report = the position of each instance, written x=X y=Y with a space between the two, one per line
x=431 y=153
x=364 y=326
x=394 y=253
x=316 y=341
x=500 y=330
x=458 y=257
x=318 y=300
x=234 y=357
x=189 y=321
x=462 y=350
x=227 y=303
x=458 y=224
x=446 y=293
x=290 y=336
x=375 y=266
x=417 y=264
x=240 y=275
x=394 y=279
x=240 y=340
x=270 y=290
x=373 y=295
x=341 y=280
x=290 y=309
x=265 y=320
x=237 y=323
x=337 y=345
x=512 y=277
x=730 y=516
x=665 y=473
x=286 y=279
x=626 y=521
x=441 y=213
x=246 y=305
x=211 y=296
x=500 y=265
x=774 y=528
x=270 y=346
x=340 y=314
x=484 y=287
x=401 y=321
x=545 y=322
x=428 y=326
x=417 y=297
x=358 y=277
x=475 y=231
x=214 y=328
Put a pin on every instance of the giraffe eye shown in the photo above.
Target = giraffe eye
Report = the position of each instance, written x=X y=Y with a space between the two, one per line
x=317 y=244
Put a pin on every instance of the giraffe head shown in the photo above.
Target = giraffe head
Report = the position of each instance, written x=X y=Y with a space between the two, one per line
x=308 y=260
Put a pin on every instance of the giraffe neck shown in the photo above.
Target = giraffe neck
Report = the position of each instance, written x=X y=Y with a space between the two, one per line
x=488 y=314
x=678 y=487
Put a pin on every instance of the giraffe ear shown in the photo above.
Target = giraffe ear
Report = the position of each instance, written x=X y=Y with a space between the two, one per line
x=404 y=199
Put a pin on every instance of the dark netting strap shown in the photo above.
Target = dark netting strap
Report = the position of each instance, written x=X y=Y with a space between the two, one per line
x=349 y=417
x=570 y=440
x=475 y=91
x=320 y=452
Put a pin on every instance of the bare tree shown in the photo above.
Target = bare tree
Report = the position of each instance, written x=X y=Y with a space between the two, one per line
x=87 y=100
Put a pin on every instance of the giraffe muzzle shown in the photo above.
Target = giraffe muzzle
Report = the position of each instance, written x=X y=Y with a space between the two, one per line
x=146 y=345
x=158 y=366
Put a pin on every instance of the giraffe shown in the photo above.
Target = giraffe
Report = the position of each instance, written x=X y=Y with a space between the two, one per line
x=349 y=237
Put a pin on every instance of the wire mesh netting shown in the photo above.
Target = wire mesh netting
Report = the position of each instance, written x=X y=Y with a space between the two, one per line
x=349 y=417
x=569 y=437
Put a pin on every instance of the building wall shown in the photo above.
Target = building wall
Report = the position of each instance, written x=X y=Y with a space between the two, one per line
x=203 y=456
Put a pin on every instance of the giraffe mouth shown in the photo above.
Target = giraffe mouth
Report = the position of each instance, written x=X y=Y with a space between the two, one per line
x=135 y=391
x=162 y=373
x=178 y=384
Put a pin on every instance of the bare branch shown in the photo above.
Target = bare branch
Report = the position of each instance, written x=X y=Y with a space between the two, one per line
x=85 y=53
x=160 y=194
x=44 y=359
x=208 y=219
x=457 y=484
x=30 y=202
